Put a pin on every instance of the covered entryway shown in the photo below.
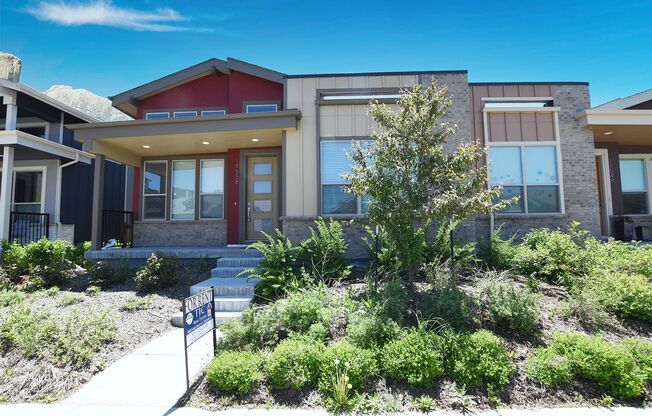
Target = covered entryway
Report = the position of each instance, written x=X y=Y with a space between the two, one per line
x=262 y=196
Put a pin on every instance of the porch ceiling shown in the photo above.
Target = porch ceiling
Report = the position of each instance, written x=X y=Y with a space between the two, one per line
x=627 y=127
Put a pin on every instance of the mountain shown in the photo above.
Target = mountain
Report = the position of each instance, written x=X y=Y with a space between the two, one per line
x=86 y=102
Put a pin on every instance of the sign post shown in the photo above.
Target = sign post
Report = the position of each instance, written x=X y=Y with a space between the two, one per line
x=198 y=320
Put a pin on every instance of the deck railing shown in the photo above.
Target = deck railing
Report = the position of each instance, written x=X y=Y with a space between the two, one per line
x=28 y=226
x=118 y=225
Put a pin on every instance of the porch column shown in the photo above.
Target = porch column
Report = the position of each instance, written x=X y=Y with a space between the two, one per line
x=12 y=112
x=5 y=190
x=98 y=201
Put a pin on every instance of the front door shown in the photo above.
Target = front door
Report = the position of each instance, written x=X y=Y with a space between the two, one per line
x=262 y=196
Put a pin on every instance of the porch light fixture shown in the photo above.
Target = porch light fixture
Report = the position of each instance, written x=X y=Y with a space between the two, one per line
x=606 y=133
x=205 y=142
x=255 y=140
x=146 y=146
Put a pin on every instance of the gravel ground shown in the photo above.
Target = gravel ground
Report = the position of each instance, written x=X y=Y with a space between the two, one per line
x=37 y=380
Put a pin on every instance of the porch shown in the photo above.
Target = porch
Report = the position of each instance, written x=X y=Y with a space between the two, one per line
x=205 y=181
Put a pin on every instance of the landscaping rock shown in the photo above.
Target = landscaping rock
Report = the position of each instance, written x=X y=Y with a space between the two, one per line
x=177 y=320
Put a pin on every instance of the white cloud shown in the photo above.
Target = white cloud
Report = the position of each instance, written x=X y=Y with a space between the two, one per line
x=104 y=13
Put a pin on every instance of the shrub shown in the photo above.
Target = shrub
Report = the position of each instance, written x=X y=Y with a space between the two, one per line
x=11 y=297
x=368 y=329
x=439 y=250
x=383 y=254
x=104 y=275
x=159 y=272
x=446 y=302
x=627 y=295
x=322 y=252
x=500 y=253
x=641 y=350
x=235 y=372
x=478 y=359
x=415 y=357
x=610 y=366
x=509 y=307
x=303 y=309
x=620 y=256
x=393 y=299
x=586 y=308
x=277 y=270
x=257 y=328
x=361 y=365
x=294 y=364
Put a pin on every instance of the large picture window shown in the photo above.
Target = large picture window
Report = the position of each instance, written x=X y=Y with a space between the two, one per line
x=634 y=184
x=530 y=172
x=334 y=162
x=155 y=190
x=211 y=189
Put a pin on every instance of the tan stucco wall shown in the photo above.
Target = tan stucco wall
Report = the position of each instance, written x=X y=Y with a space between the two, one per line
x=300 y=159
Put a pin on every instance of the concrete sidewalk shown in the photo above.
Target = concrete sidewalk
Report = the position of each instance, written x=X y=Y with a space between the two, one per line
x=152 y=376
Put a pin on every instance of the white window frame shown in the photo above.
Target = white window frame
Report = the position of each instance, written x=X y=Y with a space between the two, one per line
x=194 y=212
x=187 y=114
x=262 y=105
x=221 y=112
x=358 y=208
x=200 y=193
x=647 y=159
x=36 y=124
x=165 y=194
x=147 y=115
x=43 y=170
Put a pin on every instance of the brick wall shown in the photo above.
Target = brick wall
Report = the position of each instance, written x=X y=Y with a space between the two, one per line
x=179 y=233
x=298 y=229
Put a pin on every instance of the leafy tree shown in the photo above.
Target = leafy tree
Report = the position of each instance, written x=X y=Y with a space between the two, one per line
x=412 y=180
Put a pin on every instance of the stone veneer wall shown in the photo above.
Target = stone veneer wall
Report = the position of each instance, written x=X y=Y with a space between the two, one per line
x=180 y=233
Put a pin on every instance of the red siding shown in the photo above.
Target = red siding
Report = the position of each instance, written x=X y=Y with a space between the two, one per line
x=215 y=90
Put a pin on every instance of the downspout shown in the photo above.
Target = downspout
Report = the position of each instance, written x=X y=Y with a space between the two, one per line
x=58 y=195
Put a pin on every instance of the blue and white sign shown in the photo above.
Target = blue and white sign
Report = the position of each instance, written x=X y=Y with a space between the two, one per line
x=199 y=318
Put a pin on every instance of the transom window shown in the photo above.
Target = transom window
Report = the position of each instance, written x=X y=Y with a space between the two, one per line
x=184 y=114
x=261 y=108
x=157 y=115
x=530 y=172
x=334 y=162
x=634 y=182
x=213 y=112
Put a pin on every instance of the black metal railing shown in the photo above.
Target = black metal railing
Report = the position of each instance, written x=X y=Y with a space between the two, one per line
x=118 y=225
x=28 y=226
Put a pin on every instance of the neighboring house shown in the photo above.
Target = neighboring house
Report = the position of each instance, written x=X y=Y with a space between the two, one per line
x=622 y=130
x=226 y=150
x=49 y=193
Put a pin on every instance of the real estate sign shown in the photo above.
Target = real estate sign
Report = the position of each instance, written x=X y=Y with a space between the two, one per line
x=198 y=320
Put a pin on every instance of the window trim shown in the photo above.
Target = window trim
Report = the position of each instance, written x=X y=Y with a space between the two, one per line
x=193 y=112
x=647 y=159
x=524 y=185
x=147 y=115
x=43 y=170
x=165 y=204
x=194 y=211
x=200 y=193
x=358 y=208
x=262 y=104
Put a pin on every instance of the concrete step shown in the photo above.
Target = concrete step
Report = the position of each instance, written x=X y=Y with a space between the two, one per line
x=221 y=317
x=237 y=252
x=238 y=262
x=226 y=272
x=231 y=303
x=226 y=286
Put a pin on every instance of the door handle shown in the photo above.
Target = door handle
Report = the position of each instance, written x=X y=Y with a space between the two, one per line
x=249 y=212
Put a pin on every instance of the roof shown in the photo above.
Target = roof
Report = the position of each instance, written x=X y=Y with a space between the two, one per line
x=20 y=138
x=125 y=101
x=22 y=88
x=363 y=74
x=627 y=102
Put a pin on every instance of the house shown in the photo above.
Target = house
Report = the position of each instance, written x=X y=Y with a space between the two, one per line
x=225 y=150
x=622 y=130
x=49 y=193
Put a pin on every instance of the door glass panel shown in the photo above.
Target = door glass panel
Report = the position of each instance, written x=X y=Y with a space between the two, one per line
x=263 y=205
x=262 y=187
x=263 y=224
x=262 y=168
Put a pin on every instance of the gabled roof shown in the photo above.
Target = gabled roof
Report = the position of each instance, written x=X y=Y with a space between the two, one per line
x=127 y=101
x=627 y=102
x=24 y=89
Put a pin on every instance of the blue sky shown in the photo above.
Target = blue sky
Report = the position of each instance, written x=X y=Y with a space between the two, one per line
x=110 y=46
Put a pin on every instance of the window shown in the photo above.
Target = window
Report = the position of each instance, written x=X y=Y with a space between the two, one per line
x=157 y=115
x=155 y=190
x=634 y=184
x=184 y=114
x=38 y=131
x=529 y=172
x=213 y=112
x=211 y=189
x=335 y=162
x=183 y=189
x=261 y=108
x=28 y=191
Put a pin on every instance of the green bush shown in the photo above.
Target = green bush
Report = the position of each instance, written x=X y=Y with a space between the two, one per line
x=159 y=272
x=104 y=275
x=322 y=253
x=234 y=372
x=361 y=365
x=509 y=307
x=257 y=328
x=294 y=364
x=415 y=357
x=10 y=297
x=641 y=350
x=446 y=302
x=620 y=256
x=439 y=250
x=383 y=254
x=478 y=359
x=305 y=308
x=611 y=366
x=369 y=329
x=500 y=253
x=626 y=295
